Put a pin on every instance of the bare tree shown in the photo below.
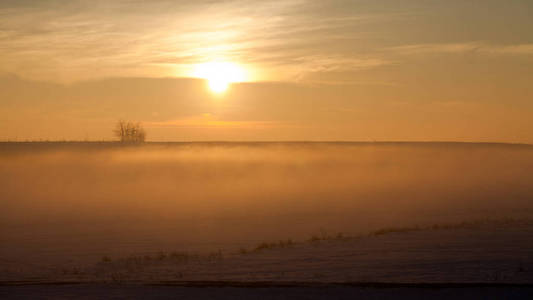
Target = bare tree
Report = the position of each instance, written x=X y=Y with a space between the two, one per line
x=129 y=132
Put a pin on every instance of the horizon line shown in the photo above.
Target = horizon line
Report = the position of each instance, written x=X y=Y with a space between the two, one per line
x=269 y=141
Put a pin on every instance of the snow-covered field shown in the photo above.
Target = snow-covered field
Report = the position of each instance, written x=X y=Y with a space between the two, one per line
x=489 y=251
x=315 y=213
x=488 y=260
x=106 y=291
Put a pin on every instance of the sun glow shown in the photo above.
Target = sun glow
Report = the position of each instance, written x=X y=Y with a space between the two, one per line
x=220 y=74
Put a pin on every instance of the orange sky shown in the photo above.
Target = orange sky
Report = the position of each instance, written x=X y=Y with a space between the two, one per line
x=315 y=70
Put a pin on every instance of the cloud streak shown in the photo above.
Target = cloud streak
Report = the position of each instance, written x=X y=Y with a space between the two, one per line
x=163 y=38
x=278 y=40
x=209 y=121
x=470 y=47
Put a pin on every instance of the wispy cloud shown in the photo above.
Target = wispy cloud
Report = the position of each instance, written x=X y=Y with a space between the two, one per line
x=210 y=121
x=163 y=38
x=472 y=47
x=283 y=40
x=524 y=49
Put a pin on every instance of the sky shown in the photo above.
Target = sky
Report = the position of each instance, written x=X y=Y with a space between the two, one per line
x=359 y=70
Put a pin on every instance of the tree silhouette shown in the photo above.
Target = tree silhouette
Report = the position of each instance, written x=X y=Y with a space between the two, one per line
x=129 y=132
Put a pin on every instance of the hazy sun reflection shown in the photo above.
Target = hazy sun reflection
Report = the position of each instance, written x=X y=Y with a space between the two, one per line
x=220 y=74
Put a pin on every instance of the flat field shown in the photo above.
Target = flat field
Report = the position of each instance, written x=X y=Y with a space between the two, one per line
x=266 y=212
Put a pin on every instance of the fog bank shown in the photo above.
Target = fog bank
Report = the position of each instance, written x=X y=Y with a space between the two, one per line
x=94 y=199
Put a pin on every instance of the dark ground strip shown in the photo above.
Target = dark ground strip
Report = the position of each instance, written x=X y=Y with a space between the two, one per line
x=280 y=284
x=267 y=290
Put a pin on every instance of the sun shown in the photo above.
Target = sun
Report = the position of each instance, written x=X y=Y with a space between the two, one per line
x=219 y=74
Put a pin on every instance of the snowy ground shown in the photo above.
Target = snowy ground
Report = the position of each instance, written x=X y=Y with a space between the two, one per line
x=123 y=220
x=102 y=291
x=477 y=252
x=489 y=259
